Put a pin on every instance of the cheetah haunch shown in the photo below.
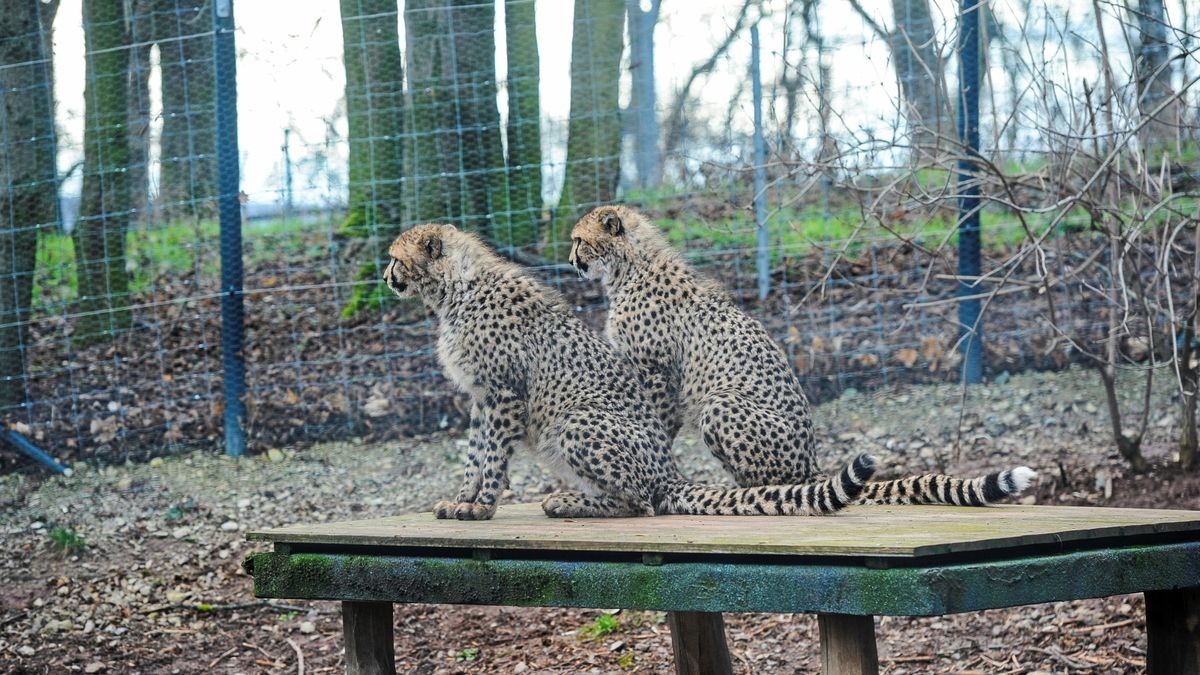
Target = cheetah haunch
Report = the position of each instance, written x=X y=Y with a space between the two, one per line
x=708 y=365
x=539 y=378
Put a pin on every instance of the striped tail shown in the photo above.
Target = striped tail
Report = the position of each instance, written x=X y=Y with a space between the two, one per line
x=941 y=489
x=810 y=499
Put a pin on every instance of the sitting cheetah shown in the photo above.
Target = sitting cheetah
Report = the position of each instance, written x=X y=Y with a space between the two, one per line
x=708 y=365
x=538 y=377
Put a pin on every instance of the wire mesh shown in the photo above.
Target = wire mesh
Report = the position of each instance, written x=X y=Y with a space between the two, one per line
x=511 y=118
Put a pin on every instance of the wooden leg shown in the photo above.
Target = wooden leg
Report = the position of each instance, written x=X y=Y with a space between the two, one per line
x=367 y=629
x=847 y=644
x=1173 y=632
x=698 y=640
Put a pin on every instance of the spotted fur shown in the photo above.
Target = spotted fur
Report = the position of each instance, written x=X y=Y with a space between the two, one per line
x=708 y=365
x=538 y=378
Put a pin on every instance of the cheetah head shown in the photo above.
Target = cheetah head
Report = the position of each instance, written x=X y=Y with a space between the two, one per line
x=421 y=259
x=607 y=238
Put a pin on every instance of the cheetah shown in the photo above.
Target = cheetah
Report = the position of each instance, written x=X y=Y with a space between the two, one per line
x=538 y=378
x=709 y=366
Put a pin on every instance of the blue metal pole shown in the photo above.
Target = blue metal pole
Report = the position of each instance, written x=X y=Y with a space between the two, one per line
x=968 y=187
x=760 y=170
x=32 y=451
x=232 y=309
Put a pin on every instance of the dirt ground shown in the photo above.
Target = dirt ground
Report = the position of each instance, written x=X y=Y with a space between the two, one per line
x=151 y=580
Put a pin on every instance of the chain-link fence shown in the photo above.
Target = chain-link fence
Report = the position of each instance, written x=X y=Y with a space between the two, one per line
x=357 y=119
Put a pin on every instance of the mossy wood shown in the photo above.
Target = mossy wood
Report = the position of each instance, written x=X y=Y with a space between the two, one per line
x=885 y=532
x=710 y=586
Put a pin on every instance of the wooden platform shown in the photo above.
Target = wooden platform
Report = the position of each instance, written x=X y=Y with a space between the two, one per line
x=872 y=531
x=847 y=568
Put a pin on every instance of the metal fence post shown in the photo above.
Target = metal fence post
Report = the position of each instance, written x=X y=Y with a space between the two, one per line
x=232 y=309
x=971 y=337
x=760 y=170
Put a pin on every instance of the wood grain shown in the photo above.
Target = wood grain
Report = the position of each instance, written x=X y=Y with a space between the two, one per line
x=1173 y=632
x=847 y=645
x=904 y=531
x=370 y=646
x=698 y=643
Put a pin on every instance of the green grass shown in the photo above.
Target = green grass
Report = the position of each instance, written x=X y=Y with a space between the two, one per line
x=601 y=626
x=66 y=541
x=171 y=249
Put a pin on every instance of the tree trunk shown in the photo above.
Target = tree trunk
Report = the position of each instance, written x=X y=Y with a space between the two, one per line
x=594 y=130
x=99 y=234
x=434 y=193
x=643 y=102
x=141 y=39
x=920 y=71
x=28 y=188
x=524 y=122
x=188 y=184
x=374 y=110
x=1154 y=68
x=480 y=152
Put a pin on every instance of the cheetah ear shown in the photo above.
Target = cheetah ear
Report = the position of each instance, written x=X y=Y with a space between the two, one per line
x=612 y=224
x=433 y=247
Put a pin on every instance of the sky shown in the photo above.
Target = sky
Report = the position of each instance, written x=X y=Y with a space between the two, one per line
x=290 y=74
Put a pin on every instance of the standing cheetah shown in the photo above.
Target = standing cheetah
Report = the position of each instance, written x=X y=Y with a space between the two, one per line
x=539 y=378
x=708 y=365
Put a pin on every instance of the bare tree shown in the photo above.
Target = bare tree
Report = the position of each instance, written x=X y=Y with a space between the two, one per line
x=677 y=118
x=920 y=70
x=643 y=101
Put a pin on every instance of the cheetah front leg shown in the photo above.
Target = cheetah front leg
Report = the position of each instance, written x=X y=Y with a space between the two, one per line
x=496 y=429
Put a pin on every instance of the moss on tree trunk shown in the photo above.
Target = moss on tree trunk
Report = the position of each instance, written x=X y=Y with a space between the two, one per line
x=594 y=130
x=188 y=182
x=28 y=187
x=374 y=109
x=99 y=234
x=524 y=122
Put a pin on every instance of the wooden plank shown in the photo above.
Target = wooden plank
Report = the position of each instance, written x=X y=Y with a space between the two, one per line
x=847 y=645
x=698 y=642
x=370 y=642
x=1173 y=632
x=857 y=531
x=728 y=586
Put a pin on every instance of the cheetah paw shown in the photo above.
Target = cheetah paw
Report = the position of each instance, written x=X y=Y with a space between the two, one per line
x=444 y=509
x=474 y=511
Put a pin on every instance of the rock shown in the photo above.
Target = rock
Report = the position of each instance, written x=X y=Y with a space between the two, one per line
x=95 y=667
x=230 y=526
x=308 y=627
x=176 y=597
x=850 y=393
x=26 y=650
x=521 y=668
x=57 y=626
x=875 y=433
x=244 y=503
x=181 y=532
x=157 y=461
x=275 y=455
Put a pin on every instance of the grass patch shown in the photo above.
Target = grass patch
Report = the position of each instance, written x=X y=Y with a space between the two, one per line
x=176 y=248
x=66 y=541
x=601 y=626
